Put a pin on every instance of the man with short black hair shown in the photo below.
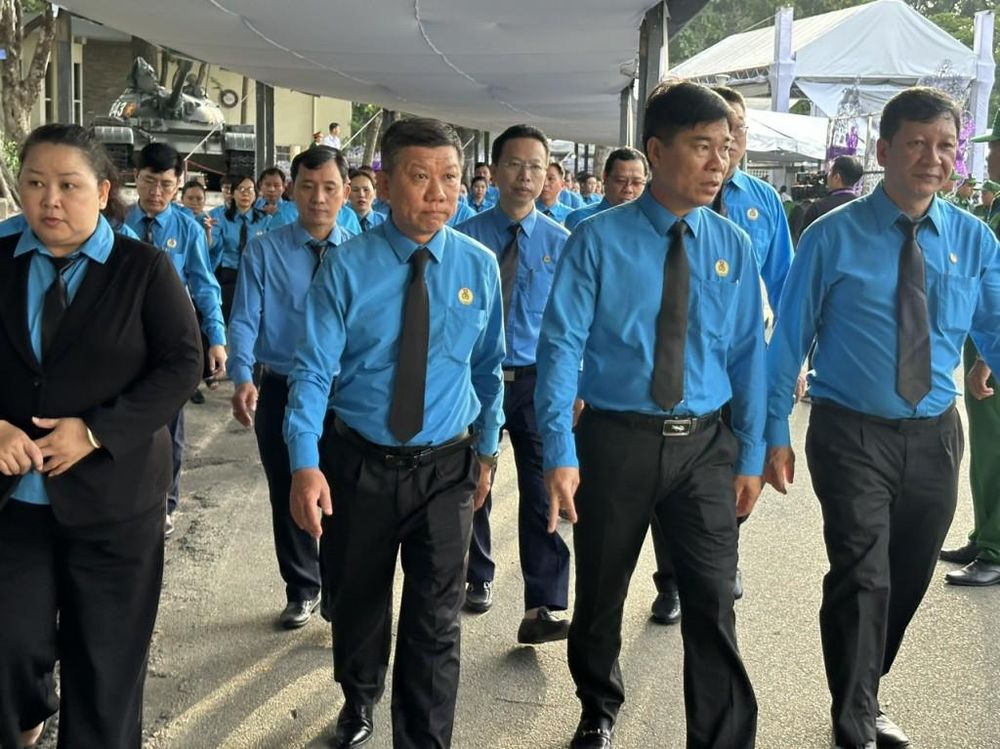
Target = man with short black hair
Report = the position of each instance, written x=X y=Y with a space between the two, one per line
x=157 y=220
x=332 y=140
x=666 y=290
x=267 y=320
x=548 y=201
x=888 y=286
x=625 y=175
x=842 y=180
x=528 y=246
x=588 y=188
x=407 y=318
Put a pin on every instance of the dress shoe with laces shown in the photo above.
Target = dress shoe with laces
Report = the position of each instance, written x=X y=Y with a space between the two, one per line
x=298 y=613
x=593 y=733
x=542 y=628
x=888 y=734
x=667 y=607
x=354 y=726
x=961 y=555
x=479 y=597
x=977 y=573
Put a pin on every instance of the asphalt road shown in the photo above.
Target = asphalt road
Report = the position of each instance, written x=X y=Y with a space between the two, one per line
x=223 y=676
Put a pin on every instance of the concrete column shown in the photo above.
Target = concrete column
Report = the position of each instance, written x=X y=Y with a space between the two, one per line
x=62 y=57
x=653 y=57
x=979 y=101
x=627 y=124
x=264 y=125
x=782 y=72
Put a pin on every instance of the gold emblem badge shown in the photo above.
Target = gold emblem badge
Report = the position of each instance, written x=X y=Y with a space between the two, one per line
x=171 y=243
x=953 y=257
x=465 y=296
x=547 y=259
x=753 y=214
x=721 y=268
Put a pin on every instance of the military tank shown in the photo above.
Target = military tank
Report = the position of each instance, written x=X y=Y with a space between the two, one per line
x=182 y=116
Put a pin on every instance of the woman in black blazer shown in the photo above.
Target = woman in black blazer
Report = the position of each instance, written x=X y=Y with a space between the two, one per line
x=99 y=348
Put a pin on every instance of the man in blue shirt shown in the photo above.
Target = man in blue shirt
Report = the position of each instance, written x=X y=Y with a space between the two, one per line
x=588 y=188
x=266 y=323
x=157 y=220
x=548 y=201
x=271 y=186
x=527 y=245
x=625 y=177
x=569 y=196
x=362 y=194
x=754 y=206
x=482 y=169
x=407 y=319
x=889 y=285
x=666 y=291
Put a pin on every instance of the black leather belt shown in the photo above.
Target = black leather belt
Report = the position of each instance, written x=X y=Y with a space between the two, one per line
x=404 y=457
x=900 y=425
x=266 y=373
x=683 y=426
x=513 y=374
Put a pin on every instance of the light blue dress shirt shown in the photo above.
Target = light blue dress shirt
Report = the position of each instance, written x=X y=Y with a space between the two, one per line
x=592 y=199
x=575 y=217
x=225 y=248
x=462 y=214
x=373 y=219
x=381 y=206
x=269 y=303
x=353 y=322
x=287 y=213
x=540 y=244
x=557 y=211
x=754 y=206
x=18 y=223
x=570 y=199
x=842 y=291
x=603 y=309
x=183 y=239
x=41 y=275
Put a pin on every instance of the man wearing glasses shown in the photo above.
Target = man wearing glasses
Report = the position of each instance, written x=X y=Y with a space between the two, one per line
x=158 y=221
x=625 y=177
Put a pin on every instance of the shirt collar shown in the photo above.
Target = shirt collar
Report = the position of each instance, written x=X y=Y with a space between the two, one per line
x=403 y=246
x=502 y=221
x=97 y=247
x=739 y=180
x=887 y=213
x=662 y=219
x=137 y=214
x=303 y=237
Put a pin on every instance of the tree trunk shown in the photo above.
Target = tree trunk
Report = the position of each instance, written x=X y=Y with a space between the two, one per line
x=145 y=50
x=372 y=138
x=8 y=184
x=22 y=82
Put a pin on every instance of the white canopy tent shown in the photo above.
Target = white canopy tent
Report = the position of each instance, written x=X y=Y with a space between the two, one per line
x=786 y=138
x=560 y=65
x=880 y=48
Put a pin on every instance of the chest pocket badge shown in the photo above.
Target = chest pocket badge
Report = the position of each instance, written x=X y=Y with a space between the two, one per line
x=721 y=268
x=753 y=214
x=171 y=243
x=465 y=296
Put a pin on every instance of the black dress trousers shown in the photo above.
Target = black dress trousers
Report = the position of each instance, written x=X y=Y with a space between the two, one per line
x=888 y=491
x=628 y=475
x=424 y=514
x=297 y=551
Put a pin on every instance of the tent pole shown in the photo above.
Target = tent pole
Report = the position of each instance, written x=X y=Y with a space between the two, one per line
x=264 y=126
x=979 y=101
x=782 y=72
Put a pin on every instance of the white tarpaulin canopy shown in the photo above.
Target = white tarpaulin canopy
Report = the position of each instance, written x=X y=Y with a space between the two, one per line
x=559 y=64
x=776 y=136
x=880 y=47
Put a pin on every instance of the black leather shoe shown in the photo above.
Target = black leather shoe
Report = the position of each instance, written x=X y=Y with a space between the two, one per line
x=198 y=397
x=978 y=573
x=543 y=628
x=738 y=585
x=298 y=613
x=479 y=597
x=888 y=734
x=961 y=555
x=354 y=726
x=667 y=608
x=593 y=733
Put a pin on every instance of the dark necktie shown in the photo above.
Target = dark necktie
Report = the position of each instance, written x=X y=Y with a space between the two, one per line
x=244 y=230
x=913 y=337
x=148 y=222
x=55 y=302
x=719 y=204
x=365 y=224
x=548 y=212
x=671 y=323
x=508 y=268
x=319 y=248
x=406 y=416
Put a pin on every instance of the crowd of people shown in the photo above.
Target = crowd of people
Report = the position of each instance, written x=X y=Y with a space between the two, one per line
x=381 y=332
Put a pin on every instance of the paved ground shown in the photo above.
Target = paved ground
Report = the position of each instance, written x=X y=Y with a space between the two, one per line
x=222 y=676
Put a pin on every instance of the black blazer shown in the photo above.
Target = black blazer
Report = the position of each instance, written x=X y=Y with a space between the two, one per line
x=125 y=359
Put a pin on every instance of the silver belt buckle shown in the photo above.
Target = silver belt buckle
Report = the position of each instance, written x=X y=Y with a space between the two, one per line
x=677 y=427
x=508 y=375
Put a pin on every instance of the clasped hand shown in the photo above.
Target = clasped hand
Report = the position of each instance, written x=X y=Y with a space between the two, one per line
x=54 y=454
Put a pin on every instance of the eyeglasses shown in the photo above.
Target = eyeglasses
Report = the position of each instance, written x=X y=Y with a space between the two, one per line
x=152 y=184
x=533 y=168
x=244 y=190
